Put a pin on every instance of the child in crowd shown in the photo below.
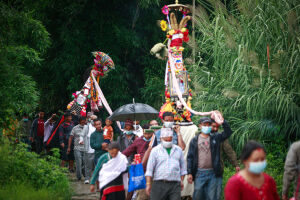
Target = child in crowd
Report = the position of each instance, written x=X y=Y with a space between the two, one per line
x=108 y=131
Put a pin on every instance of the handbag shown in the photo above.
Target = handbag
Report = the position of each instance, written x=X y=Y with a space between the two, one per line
x=137 y=178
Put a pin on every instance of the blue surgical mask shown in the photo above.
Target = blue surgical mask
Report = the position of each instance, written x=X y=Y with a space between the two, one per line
x=128 y=132
x=206 y=129
x=257 y=167
x=147 y=140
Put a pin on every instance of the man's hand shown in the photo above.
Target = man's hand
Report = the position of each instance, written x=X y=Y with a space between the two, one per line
x=148 y=189
x=217 y=116
x=92 y=188
x=62 y=145
x=53 y=116
x=69 y=150
x=190 y=179
x=237 y=168
x=177 y=128
x=181 y=185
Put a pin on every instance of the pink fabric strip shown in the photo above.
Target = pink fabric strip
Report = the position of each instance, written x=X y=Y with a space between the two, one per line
x=217 y=115
x=106 y=105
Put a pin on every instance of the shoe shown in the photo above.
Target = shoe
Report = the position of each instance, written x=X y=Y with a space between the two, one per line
x=86 y=182
x=71 y=170
x=79 y=179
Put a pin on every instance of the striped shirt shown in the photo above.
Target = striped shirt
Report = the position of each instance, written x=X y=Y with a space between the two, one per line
x=162 y=166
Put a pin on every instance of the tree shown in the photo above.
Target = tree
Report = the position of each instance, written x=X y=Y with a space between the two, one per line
x=23 y=40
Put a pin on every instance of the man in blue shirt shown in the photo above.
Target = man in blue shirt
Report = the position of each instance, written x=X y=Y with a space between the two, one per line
x=168 y=120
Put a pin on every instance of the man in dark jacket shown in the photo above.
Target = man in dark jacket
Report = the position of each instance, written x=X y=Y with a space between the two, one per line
x=64 y=131
x=37 y=132
x=203 y=161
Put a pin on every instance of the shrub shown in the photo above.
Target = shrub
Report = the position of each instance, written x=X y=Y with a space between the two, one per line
x=20 y=171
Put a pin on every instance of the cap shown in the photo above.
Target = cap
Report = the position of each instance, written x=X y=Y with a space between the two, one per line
x=166 y=132
x=205 y=120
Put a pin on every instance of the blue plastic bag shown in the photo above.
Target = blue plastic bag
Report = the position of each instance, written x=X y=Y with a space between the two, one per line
x=137 y=178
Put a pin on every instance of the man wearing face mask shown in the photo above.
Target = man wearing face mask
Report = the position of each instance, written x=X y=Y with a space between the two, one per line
x=203 y=161
x=138 y=130
x=166 y=167
x=140 y=146
x=127 y=138
x=168 y=120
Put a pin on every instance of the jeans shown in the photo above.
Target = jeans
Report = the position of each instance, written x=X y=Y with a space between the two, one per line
x=79 y=163
x=207 y=186
x=89 y=165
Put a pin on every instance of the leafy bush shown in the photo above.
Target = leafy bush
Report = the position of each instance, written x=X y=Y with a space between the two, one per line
x=21 y=171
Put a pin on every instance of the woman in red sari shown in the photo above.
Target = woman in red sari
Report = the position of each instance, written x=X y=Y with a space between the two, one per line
x=251 y=183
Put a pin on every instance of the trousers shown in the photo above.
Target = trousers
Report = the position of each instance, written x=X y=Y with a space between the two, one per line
x=79 y=163
x=89 y=165
x=165 y=190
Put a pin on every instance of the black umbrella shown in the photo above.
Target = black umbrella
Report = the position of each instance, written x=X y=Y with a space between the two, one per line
x=134 y=111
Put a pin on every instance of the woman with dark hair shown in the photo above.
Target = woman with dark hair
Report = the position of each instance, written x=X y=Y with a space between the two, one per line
x=110 y=171
x=251 y=183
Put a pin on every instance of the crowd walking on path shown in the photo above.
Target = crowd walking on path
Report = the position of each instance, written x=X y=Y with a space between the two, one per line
x=103 y=158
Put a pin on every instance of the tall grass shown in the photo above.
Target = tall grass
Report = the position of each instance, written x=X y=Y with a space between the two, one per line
x=232 y=74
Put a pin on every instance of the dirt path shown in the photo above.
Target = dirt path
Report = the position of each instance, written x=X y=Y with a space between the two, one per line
x=81 y=190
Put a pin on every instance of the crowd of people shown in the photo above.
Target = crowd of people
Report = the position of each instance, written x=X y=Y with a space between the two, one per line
x=103 y=159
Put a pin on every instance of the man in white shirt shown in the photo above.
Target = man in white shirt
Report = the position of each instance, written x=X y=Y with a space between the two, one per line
x=89 y=152
x=48 y=126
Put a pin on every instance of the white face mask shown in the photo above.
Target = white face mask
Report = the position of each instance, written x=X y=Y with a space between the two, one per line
x=168 y=124
x=136 y=127
x=166 y=144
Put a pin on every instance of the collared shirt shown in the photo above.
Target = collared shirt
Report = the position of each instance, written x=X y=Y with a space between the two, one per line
x=77 y=133
x=174 y=140
x=162 y=166
x=47 y=130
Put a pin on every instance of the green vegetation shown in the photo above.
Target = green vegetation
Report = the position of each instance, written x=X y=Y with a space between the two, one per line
x=232 y=73
x=24 y=175
x=247 y=66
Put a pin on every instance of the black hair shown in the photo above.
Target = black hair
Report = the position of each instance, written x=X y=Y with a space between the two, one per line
x=167 y=114
x=212 y=120
x=81 y=118
x=67 y=114
x=25 y=115
x=96 y=120
x=249 y=147
x=146 y=126
x=113 y=145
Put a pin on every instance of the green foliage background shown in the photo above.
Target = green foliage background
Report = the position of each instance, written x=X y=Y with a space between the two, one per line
x=45 y=50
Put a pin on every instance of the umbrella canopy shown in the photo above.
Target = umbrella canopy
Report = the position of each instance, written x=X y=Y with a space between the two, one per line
x=134 y=111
